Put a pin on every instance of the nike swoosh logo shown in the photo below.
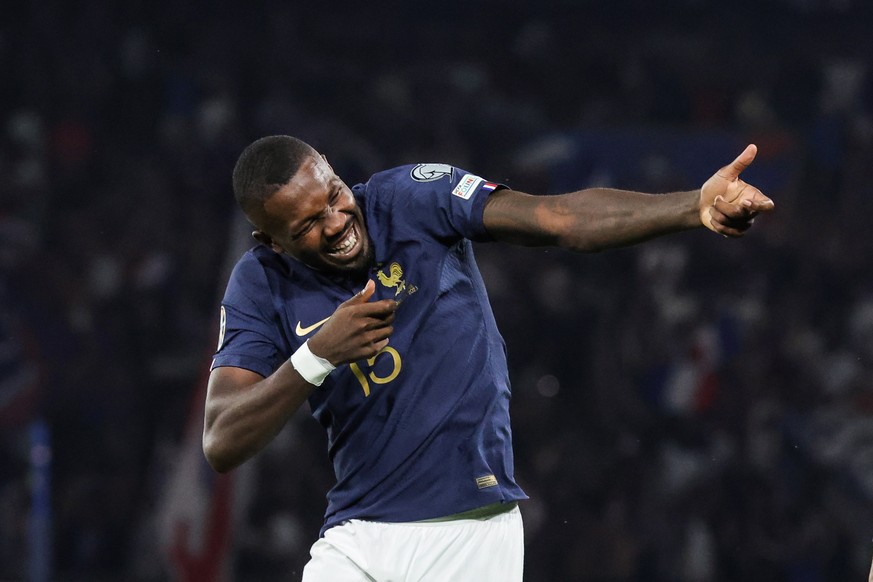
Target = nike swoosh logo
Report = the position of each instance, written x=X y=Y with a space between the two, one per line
x=302 y=331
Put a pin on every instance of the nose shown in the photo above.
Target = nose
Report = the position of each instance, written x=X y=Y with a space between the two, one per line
x=334 y=222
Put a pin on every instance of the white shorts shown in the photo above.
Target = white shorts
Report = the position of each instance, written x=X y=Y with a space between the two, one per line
x=479 y=550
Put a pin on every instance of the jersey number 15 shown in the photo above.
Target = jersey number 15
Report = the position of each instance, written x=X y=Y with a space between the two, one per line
x=371 y=376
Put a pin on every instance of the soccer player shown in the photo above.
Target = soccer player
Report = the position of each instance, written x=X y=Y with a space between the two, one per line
x=367 y=302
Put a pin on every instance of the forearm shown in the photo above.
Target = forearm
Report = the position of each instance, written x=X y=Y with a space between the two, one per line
x=244 y=410
x=589 y=220
x=240 y=422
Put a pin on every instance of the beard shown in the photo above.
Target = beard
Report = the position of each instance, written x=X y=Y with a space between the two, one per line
x=360 y=267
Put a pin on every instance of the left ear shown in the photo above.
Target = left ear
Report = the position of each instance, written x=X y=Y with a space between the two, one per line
x=265 y=239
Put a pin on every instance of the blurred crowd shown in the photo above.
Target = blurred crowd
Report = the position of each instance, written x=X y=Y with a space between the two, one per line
x=691 y=409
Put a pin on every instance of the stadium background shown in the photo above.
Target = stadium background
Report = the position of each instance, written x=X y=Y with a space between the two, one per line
x=693 y=409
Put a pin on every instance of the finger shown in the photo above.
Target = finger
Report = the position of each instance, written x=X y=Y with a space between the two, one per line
x=745 y=209
x=377 y=347
x=724 y=225
x=370 y=347
x=751 y=197
x=732 y=233
x=731 y=229
x=375 y=323
x=382 y=333
x=732 y=213
x=732 y=171
x=361 y=296
x=376 y=341
x=379 y=309
x=383 y=321
x=759 y=204
x=732 y=210
x=738 y=219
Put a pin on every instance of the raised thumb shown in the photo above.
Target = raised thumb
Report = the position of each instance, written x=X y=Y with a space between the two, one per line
x=363 y=295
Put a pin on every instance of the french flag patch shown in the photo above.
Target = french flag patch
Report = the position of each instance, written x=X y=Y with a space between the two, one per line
x=468 y=184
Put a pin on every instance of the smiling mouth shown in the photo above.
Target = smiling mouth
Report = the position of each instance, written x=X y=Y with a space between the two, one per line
x=346 y=246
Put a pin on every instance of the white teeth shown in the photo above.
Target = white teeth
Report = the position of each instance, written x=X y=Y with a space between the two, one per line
x=347 y=243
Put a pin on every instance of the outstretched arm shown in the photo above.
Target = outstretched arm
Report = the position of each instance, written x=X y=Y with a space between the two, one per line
x=599 y=218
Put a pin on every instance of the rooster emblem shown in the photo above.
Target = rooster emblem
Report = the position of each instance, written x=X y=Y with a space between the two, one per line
x=394 y=278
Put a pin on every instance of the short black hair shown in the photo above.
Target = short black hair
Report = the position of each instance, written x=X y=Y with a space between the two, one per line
x=266 y=165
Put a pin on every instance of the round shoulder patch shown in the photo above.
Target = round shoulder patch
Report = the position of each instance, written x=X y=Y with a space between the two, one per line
x=221 y=327
x=431 y=172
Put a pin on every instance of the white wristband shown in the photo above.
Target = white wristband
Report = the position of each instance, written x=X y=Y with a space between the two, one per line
x=314 y=369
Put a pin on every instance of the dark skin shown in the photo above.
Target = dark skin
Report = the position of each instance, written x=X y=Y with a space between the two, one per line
x=315 y=219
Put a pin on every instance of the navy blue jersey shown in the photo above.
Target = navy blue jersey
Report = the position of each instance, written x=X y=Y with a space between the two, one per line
x=422 y=429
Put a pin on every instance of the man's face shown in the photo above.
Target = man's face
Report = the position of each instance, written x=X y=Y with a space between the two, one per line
x=315 y=219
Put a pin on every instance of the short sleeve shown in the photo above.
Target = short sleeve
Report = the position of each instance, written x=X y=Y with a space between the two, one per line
x=249 y=338
x=443 y=201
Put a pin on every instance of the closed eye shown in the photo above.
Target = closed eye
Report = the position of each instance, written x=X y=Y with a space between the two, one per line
x=307 y=226
x=305 y=229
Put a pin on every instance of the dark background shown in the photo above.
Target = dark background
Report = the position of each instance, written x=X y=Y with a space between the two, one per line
x=691 y=409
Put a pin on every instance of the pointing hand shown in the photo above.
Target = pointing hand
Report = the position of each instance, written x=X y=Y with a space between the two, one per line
x=728 y=205
x=358 y=329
